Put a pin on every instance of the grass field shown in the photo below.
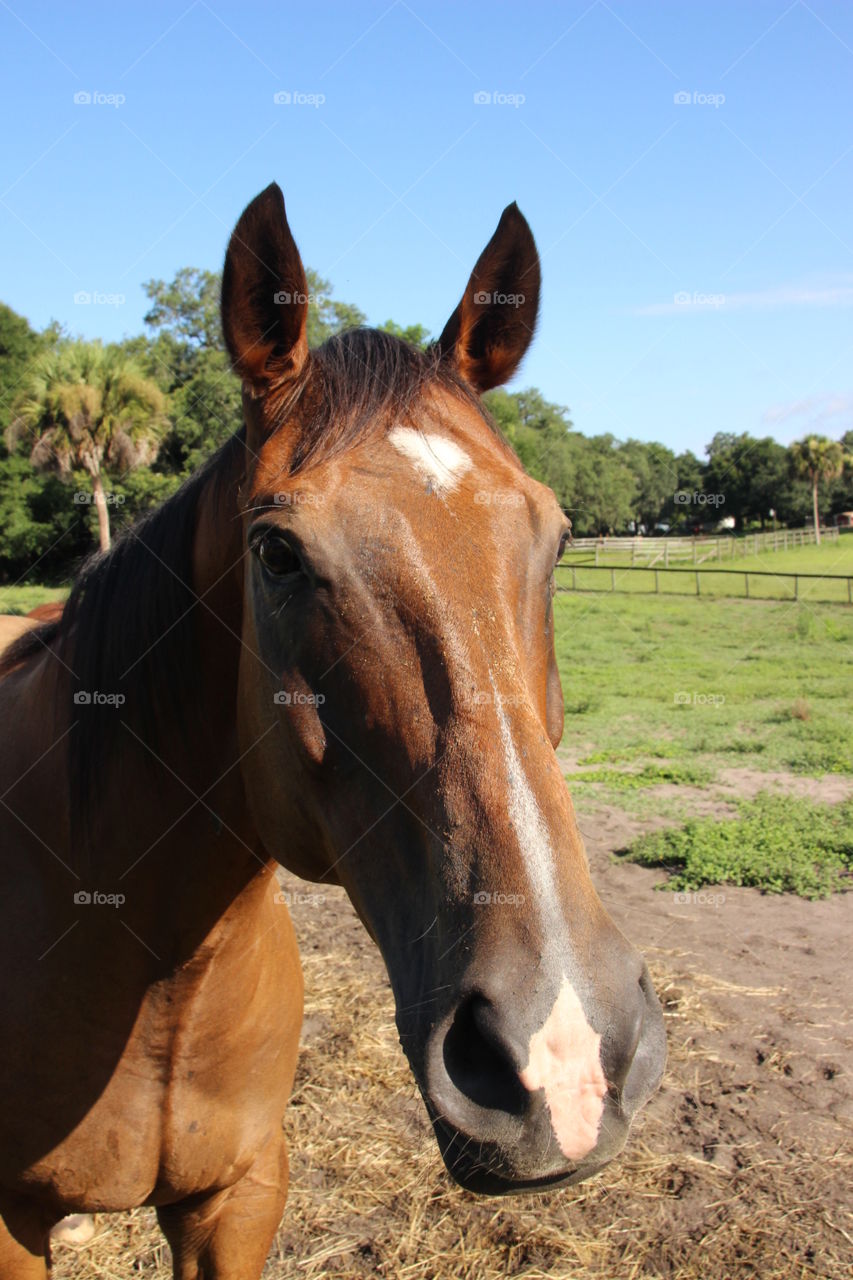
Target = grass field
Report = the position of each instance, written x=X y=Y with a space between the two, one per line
x=663 y=696
x=22 y=599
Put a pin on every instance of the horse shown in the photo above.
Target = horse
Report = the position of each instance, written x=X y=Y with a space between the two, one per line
x=14 y=625
x=332 y=650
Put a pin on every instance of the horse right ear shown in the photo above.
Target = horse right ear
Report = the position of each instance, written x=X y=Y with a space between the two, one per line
x=265 y=296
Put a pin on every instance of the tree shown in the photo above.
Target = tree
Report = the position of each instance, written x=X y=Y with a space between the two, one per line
x=90 y=407
x=20 y=345
x=655 y=472
x=417 y=334
x=817 y=458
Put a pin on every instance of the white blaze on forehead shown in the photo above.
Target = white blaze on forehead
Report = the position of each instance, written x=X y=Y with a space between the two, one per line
x=564 y=1060
x=438 y=460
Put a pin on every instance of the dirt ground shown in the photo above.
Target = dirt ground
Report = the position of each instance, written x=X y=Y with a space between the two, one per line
x=739 y=1167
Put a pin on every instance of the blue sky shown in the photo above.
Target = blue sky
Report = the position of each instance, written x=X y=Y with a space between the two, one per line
x=697 y=255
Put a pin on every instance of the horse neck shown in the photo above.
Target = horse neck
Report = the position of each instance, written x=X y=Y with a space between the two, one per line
x=194 y=840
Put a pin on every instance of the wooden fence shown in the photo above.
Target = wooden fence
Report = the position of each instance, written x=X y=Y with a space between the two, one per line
x=819 y=587
x=701 y=549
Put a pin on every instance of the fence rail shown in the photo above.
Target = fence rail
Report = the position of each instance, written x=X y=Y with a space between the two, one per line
x=702 y=548
x=836 y=587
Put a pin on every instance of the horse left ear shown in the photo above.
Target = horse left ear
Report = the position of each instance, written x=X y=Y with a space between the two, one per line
x=489 y=332
x=265 y=296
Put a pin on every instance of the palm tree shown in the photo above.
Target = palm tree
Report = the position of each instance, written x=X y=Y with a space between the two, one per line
x=91 y=407
x=814 y=459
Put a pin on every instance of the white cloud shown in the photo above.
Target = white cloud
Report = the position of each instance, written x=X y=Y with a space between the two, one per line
x=830 y=413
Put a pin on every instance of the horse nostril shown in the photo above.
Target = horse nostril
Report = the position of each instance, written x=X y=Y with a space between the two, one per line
x=619 y=1046
x=479 y=1061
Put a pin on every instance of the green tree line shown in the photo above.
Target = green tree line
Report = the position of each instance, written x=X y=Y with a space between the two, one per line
x=94 y=435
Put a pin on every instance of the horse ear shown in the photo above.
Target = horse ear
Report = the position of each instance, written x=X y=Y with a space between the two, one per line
x=491 y=329
x=264 y=296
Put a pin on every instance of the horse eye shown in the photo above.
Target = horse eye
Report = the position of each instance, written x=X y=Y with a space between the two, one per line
x=564 y=542
x=277 y=555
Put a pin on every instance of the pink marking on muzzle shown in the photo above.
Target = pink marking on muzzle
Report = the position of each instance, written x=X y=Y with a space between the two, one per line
x=564 y=1061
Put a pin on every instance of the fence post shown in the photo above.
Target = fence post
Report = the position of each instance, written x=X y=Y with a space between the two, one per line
x=696 y=575
x=746 y=582
x=657 y=583
x=666 y=555
x=796 y=586
x=596 y=555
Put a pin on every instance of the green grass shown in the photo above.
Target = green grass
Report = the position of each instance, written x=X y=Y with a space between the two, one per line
x=651 y=775
x=776 y=843
x=672 y=690
x=22 y=599
x=718 y=682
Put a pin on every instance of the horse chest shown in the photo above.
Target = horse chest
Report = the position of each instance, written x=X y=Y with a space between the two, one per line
x=199 y=1085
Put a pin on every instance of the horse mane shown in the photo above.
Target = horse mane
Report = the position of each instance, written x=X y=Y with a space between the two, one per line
x=129 y=623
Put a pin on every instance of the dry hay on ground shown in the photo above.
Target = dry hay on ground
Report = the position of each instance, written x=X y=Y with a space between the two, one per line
x=710 y=1186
